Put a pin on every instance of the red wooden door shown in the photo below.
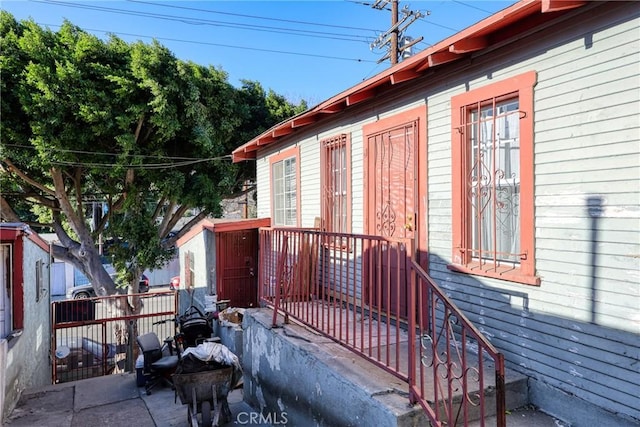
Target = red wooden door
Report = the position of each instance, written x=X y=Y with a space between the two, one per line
x=237 y=256
x=390 y=211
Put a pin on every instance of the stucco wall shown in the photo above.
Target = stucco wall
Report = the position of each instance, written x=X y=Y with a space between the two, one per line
x=202 y=246
x=27 y=362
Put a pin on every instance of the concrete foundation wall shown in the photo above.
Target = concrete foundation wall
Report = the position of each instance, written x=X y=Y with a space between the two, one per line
x=291 y=372
x=230 y=336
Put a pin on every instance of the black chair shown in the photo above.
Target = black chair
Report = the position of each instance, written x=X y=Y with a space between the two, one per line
x=158 y=367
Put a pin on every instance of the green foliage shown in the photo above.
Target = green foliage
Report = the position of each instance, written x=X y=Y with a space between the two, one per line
x=127 y=125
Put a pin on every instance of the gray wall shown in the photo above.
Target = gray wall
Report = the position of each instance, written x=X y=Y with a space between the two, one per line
x=202 y=245
x=577 y=335
x=26 y=363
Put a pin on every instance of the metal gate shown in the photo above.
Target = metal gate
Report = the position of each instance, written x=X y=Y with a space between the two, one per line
x=83 y=331
x=237 y=257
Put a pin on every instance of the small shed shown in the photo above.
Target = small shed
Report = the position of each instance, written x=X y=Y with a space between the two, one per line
x=220 y=257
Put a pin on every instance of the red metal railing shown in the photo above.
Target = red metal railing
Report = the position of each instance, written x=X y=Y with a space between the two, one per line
x=317 y=278
x=366 y=293
x=455 y=365
x=83 y=336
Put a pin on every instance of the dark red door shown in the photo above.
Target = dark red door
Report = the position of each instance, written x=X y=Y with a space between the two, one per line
x=237 y=255
x=390 y=211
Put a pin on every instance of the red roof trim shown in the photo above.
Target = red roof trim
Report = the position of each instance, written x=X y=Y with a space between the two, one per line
x=14 y=230
x=469 y=45
x=403 y=76
x=363 y=95
x=220 y=225
x=556 y=5
x=473 y=38
x=282 y=131
x=440 y=58
x=303 y=121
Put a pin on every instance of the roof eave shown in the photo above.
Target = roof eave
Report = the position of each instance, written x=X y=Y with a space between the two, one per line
x=458 y=46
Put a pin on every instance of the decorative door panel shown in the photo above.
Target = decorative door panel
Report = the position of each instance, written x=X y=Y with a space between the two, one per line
x=390 y=210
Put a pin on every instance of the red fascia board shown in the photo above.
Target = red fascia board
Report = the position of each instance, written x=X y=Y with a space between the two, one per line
x=440 y=53
x=304 y=120
x=10 y=234
x=194 y=231
x=282 y=130
x=14 y=232
x=439 y=58
x=240 y=156
x=222 y=225
x=404 y=76
x=363 y=95
x=470 y=44
x=334 y=108
x=239 y=224
x=43 y=244
x=556 y=5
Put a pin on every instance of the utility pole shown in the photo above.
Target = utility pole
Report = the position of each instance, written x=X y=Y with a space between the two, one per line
x=397 y=44
x=394 y=32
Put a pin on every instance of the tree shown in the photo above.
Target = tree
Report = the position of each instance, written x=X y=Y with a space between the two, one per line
x=127 y=129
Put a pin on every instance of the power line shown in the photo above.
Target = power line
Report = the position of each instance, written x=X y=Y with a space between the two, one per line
x=473 y=7
x=185 y=161
x=200 y=21
x=215 y=44
x=97 y=153
x=146 y=166
x=253 y=16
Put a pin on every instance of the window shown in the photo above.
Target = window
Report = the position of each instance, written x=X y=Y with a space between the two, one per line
x=6 y=279
x=492 y=155
x=11 y=282
x=284 y=188
x=336 y=184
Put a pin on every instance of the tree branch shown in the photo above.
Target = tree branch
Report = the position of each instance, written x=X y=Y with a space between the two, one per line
x=12 y=168
x=174 y=218
x=77 y=181
x=6 y=211
x=172 y=241
x=162 y=229
x=61 y=195
x=158 y=209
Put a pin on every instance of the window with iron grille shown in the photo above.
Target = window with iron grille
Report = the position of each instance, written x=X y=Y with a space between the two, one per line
x=336 y=184
x=284 y=188
x=493 y=180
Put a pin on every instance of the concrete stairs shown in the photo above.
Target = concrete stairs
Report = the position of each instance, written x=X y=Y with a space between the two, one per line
x=317 y=382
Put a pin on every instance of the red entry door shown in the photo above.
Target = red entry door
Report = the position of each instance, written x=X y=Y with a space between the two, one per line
x=237 y=255
x=390 y=212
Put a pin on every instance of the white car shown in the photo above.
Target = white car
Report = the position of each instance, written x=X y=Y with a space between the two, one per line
x=87 y=291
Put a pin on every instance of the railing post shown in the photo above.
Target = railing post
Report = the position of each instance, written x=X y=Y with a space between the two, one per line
x=501 y=406
x=279 y=278
x=411 y=367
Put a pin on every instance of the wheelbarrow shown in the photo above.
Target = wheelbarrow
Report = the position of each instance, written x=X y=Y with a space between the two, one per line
x=205 y=393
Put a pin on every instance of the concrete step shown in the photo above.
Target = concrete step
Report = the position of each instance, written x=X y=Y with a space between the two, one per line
x=525 y=416
x=316 y=381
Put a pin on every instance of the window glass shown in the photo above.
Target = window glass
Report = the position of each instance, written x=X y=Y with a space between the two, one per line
x=494 y=180
x=284 y=192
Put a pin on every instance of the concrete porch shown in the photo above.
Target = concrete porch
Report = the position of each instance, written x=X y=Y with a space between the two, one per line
x=296 y=371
